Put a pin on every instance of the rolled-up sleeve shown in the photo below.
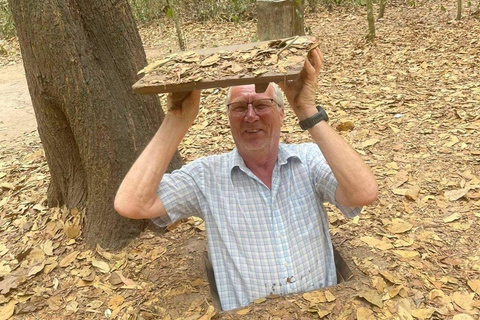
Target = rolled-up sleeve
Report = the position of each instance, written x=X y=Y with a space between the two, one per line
x=325 y=182
x=180 y=194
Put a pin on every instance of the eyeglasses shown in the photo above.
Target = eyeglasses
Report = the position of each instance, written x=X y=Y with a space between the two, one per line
x=260 y=106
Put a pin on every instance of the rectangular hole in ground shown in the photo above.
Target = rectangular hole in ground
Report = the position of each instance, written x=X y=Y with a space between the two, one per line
x=343 y=274
x=343 y=270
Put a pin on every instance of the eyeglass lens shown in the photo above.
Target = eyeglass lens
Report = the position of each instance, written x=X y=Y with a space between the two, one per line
x=258 y=106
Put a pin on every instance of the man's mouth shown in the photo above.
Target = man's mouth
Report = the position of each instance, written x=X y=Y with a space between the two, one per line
x=252 y=131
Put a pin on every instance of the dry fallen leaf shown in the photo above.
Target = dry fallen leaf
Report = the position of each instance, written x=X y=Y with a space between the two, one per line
x=406 y=254
x=259 y=300
x=213 y=59
x=102 y=266
x=371 y=296
x=422 y=314
x=197 y=282
x=404 y=311
x=47 y=247
x=10 y=282
x=462 y=316
x=89 y=277
x=7 y=310
x=71 y=230
x=36 y=269
x=474 y=285
x=236 y=68
x=314 y=297
x=365 y=314
x=399 y=192
x=4 y=268
x=128 y=282
x=412 y=193
x=454 y=195
x=324 y=310
x=463 y=300
x=55 y=303
x=95 y=304
x=377 y=243
x=115 y=279
x=115 y=301
x=72 y=306
x=436 y=293
x=369 y=142
x=329 y=296
x=452 y=217
x=400 y=226
x=120 y=308
x=243 y=312
x=67 y=260
x=399 y=243
x=379 y=283
x=209 y=314
x=391 y=278
x=393 y=292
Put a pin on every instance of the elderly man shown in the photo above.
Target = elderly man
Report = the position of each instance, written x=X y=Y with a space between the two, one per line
x=262 y=203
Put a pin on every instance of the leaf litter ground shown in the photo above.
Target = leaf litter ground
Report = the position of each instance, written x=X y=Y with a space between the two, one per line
x=408 y=103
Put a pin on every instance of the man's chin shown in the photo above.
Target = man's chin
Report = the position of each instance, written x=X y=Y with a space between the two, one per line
x=254 y=146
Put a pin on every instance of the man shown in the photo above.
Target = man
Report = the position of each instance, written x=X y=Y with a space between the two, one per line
x=262 y=203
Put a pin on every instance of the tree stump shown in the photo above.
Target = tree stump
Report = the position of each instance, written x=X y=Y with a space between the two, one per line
x=279 y=19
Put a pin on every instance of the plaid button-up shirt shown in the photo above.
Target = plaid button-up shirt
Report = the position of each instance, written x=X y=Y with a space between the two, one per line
x=261 y=241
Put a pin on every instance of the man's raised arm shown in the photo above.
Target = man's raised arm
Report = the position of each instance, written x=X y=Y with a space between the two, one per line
x=357 y=185
x=137 y=195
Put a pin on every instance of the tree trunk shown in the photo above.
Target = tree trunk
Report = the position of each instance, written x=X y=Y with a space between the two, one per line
x=81 y=59
x=381 y=10
x=459 y=9
x=371 y=21
x=178 y=29
x=279 y=19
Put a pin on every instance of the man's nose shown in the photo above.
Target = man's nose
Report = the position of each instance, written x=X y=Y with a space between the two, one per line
x=251 y=114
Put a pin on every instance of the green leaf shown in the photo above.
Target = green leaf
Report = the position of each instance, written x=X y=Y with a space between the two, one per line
x=443 y=8
x=170 y=13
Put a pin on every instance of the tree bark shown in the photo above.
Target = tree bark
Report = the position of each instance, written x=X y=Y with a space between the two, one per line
x=381 y=10
x=371 y=21
x=81 y=59
x=279 y=19
x=459 y=9
x=178 y=28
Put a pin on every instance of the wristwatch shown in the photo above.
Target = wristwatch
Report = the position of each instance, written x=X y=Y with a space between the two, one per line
x=321 y=115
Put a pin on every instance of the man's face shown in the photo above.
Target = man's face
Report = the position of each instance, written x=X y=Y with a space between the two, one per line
x=254 y=132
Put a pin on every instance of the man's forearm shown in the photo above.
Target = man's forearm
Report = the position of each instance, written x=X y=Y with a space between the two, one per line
x=137 y=196
x=357 y=185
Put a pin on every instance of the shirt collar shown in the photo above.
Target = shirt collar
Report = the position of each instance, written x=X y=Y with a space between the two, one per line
x=284 y=154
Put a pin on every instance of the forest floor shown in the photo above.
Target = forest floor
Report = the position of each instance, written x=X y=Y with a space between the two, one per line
x=409 y=104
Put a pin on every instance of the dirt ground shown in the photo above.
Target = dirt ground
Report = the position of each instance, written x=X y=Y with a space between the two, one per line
x=409 y=104
x=16 y=112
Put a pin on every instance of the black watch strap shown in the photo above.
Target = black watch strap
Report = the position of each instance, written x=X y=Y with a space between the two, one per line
x=321 y=115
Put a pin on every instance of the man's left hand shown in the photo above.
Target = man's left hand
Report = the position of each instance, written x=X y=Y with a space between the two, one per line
x=300 y=92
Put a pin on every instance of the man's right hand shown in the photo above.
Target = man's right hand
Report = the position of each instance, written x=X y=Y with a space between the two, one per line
x=184 y=105
x=137 y=196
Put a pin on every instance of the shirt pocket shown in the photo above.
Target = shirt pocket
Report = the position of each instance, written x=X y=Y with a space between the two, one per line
x=305 y=215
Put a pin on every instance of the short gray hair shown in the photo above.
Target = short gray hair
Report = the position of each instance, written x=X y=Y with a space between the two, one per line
x=277 y=95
